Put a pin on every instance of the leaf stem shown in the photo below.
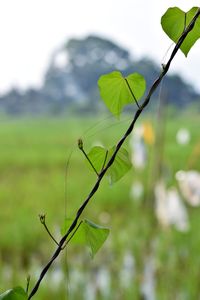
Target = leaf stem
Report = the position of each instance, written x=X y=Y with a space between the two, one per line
x=43 y=222
x=126 y=80
x=80 y=145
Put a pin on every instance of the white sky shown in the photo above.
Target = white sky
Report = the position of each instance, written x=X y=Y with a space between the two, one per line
x=30 y=30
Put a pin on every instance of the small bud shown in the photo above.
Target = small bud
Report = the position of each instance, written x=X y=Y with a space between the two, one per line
x=42 y=218
x=28 y=279
x=80 y=144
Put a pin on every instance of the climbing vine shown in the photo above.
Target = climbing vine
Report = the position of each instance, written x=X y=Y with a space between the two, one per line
x=183 y=28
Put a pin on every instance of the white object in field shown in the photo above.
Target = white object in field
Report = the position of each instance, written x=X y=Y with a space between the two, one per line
x=127 y=271
x=170 y=209
x=104 y=217
x=148 y=284
x=55 y=278
x=98 y=284
x=189 y=184
x=137 y=190
x=103 y=282
x=78 y=281
x=183 y=136
x=138 y=149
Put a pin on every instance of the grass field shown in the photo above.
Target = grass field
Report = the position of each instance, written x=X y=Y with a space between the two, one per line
x=34 y=179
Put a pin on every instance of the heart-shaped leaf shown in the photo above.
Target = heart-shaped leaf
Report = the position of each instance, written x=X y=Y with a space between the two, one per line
x=89 y=234
x=121 y=165
x=174 y=22
x=95 y=235
x=79 y=236
x=117 y=91
x=99 y=156
x=16 y=293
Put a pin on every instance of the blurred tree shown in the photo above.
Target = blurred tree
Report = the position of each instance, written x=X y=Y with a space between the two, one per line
x=71 y=79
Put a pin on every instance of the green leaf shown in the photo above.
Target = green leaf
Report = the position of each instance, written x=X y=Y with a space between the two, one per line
x=95 y=236
x=16 y=293
x=174 y=21
x=89 y=234
x=115 y=92
x=79 y=237
x=120 y=166
x=97 y=156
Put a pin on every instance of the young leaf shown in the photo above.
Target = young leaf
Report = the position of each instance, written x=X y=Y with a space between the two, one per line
x=120 y=166
x=97 y=156
x=79 y=237
x=116 y=93
x=174 y=21
x=95 y=236
x=16 y=293
x=88 y=234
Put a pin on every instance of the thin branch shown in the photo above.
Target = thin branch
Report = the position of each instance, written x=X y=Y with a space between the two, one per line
x=130 y=89
x=80 y=145
x=43 y=222
x=112 y=159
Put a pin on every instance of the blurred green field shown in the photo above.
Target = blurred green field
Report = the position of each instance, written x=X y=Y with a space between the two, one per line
x=35 y=178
